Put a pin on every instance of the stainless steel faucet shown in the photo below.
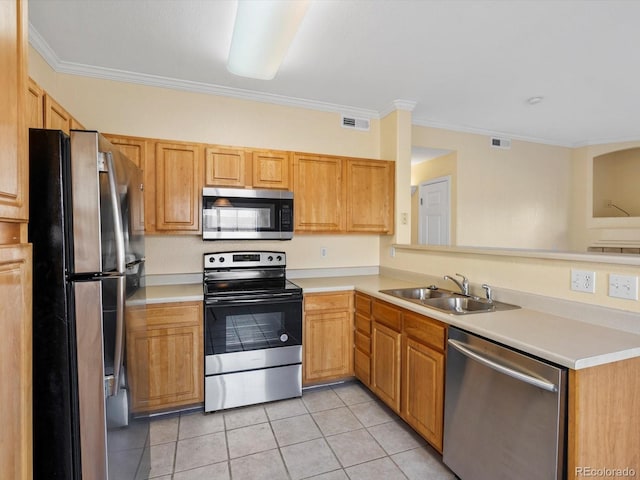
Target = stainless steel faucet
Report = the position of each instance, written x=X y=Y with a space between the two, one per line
x=464 y=286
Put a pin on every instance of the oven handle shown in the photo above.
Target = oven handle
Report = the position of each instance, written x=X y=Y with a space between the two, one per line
x=277 y=298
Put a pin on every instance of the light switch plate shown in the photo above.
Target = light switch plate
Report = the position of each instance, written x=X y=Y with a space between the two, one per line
x=623 y=286
x=583 y=281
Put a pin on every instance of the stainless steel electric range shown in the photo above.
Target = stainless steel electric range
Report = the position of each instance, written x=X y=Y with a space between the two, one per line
x=252 y=329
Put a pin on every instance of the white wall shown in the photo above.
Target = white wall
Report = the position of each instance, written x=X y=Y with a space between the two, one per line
x=516 y=198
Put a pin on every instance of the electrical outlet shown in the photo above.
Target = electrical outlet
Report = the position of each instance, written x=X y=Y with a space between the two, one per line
x=583 y=281
x=623 y=286
x=404 y=218
x=323 y=252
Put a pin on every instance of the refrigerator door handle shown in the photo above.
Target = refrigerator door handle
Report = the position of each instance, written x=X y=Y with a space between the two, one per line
x=116 y=208
x=120 y=268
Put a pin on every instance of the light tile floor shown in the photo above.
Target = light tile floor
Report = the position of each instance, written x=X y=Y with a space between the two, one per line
x=332 y=433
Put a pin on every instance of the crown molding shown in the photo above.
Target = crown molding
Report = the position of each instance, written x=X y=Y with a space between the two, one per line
x=491 y=133
x=71 y=68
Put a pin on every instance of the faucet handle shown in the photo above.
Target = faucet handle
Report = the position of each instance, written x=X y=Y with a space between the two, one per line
x=465 y=283
x=487 y=289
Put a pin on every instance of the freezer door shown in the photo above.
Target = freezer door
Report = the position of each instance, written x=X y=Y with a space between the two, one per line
x=86 y=199
x=108 y=210
x=91 y=394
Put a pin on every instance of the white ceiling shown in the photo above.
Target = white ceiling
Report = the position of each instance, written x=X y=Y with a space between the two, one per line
x=465 y=65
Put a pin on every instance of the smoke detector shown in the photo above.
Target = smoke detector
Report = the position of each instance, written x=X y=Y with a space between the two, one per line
x=355 y=123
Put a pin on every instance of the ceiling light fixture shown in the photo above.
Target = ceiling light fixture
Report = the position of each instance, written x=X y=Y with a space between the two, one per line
x=262 y=34
x=534 y=100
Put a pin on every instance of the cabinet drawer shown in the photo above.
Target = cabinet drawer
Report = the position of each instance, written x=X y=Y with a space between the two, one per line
x=363 y=304
x=362 y=366
x=425 y=330
x=363 y=342
x=328 y=301
x=363 y=324
x=387 y=314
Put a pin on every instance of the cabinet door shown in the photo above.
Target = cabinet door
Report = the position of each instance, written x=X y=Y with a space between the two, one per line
x=423 y=390
x=328 y=336
x=225 y=167
x=14 y=141
x=135 y=149
x=271 y=169
x=165 y=355
x=319 y=193
x=385 y=365
x=56 y=117
x=35 y=105
x=178 y=188
x=15 y=360
x=370 y=196
x=327 y=346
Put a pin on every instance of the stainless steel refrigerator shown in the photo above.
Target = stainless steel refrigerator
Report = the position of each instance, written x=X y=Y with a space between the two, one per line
x=87 y=230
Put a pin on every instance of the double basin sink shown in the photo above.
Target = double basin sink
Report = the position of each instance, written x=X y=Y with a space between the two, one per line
x=448 y=301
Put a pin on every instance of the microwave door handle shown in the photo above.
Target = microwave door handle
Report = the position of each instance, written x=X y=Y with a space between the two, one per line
x=120 y=268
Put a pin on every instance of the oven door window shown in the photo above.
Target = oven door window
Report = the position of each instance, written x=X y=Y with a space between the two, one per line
x=239 y=327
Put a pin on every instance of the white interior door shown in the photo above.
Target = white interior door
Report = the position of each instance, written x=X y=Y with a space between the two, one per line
x=434 y=212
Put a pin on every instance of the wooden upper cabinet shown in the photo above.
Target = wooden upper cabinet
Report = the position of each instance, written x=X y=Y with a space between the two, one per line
x=76 y=125
x=370 y=195
x=35 y=105
x=55 y=116
x=134 y=148
x=271 y=169
x=14 y=133
x=178 y=188
x=318 y=193
x=225 y=167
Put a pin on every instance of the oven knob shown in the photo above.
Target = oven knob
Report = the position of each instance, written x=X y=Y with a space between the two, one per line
x=270 y=258
x=212 y=259
x=279 y=258
x=221 y=259
x=284 y=337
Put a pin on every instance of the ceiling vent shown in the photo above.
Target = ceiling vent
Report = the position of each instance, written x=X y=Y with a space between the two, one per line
x=355 y=123
x=503 y=143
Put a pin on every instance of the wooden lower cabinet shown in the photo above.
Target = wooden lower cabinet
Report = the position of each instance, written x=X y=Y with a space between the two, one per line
x=385 y=365
x=362 y=339
x=165 y=355
x=604 y=420
x=423 y=390
x=15 y=363
x=328 y=336
x=400 y=356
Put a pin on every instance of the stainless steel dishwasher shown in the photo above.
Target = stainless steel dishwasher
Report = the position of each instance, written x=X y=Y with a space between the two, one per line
x=504 y=412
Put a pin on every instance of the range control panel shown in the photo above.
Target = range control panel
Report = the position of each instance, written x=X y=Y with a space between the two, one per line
x=244 y=259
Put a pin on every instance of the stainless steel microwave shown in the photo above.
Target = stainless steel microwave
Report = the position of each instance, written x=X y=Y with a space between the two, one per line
x=246 y=214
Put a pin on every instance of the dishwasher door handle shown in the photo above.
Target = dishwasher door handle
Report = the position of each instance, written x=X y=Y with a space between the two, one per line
x=523 y=377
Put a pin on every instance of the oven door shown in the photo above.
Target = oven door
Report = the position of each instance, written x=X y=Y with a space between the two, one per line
x=251 y=333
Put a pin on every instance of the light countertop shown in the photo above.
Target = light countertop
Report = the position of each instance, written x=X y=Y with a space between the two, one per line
x=564 y=341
